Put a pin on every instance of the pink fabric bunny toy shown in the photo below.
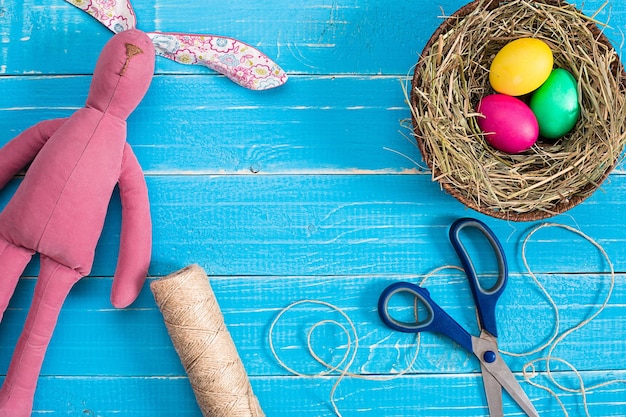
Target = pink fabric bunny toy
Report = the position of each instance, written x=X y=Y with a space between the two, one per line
x=75 y=163
x=60 y=207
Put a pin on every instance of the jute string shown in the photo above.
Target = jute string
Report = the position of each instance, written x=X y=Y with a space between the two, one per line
x=206 y=349
x=529 y=371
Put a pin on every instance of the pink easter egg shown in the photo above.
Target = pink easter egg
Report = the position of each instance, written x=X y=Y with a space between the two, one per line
x=508 y=123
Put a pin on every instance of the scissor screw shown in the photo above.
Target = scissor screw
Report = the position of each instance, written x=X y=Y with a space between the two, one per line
x=489 y=356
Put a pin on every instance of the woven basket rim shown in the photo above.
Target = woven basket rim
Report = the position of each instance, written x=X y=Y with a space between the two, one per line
x=448 y=24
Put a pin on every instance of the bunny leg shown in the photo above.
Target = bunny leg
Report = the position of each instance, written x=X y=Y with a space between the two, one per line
x=53 y=285
x=13 y=260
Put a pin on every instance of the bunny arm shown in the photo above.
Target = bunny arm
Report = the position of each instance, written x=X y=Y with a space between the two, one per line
x=136 y=235
x=22 y=149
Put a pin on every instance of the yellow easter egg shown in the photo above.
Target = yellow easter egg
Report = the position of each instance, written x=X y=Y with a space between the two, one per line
x=521 y=66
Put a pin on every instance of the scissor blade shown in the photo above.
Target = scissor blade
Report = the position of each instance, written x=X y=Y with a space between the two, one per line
x=501 y=372
x=508 y=381
x=493 y=389
x=493 y=392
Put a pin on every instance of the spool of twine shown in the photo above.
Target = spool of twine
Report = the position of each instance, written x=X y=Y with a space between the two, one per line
x=196 y=326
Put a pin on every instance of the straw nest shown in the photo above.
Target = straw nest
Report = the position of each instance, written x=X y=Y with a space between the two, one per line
x=452 y=76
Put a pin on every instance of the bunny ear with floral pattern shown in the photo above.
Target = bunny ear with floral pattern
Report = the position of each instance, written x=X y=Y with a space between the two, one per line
x=117 y=15
x=238 y=61
x=241 y=63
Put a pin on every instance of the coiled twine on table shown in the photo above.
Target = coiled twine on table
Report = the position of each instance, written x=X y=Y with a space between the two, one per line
x=196 y=326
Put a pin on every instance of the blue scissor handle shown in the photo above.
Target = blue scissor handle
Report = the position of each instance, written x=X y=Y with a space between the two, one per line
x=437 y=321
x=485 y=298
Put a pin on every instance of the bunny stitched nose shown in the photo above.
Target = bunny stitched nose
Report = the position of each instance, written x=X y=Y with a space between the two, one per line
x=131 y=51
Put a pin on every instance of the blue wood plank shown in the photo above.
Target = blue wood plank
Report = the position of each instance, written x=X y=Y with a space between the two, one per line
x=323 y=37
x=423 y=395
x=199 y=123
x=347 y=224
x=340 y=224
x=94 y=339
x=338 y=128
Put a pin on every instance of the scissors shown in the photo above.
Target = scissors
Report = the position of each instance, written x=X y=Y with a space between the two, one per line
x=496 y=374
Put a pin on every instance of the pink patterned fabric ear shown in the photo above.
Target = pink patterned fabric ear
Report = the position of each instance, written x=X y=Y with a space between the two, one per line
x=117 y=15
x=238 y=61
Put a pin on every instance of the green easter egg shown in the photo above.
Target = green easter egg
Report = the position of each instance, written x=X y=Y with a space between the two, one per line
x=555 y=104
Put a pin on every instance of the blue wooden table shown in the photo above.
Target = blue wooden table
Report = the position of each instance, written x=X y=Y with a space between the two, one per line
x=311 y=191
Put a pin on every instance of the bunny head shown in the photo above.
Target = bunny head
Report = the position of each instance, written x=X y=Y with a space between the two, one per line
x=238 y=61
x=123 y=73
